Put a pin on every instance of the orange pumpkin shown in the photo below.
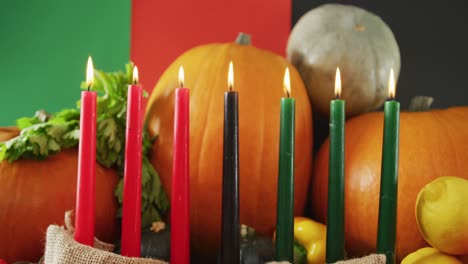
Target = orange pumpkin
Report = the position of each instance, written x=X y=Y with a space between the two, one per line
x=258 y=77
x=432 y=144
x=35 y=194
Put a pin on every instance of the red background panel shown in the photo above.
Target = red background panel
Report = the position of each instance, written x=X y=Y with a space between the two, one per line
x=162 y=30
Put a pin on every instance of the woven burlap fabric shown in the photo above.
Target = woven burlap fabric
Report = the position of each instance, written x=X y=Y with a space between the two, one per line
x=61 y=248
x=371 y=259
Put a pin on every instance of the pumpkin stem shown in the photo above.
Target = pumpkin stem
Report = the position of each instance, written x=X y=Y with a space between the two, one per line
x=42 y=115
x=243 y=39
x=421 y=103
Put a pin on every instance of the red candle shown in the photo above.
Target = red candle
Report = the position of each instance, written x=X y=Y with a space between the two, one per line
x=131 y=211
x=180 y=214
x=85 y=192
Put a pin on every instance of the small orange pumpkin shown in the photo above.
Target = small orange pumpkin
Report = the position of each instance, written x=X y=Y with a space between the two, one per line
x=258 y=78
x=8 y=132
x=35 y=194
x=432 y=144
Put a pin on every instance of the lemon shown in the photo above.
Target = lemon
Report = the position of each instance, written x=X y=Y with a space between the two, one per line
x=442 y=214
x=429 y=255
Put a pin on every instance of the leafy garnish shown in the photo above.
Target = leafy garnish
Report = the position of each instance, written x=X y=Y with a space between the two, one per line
x=43 y=135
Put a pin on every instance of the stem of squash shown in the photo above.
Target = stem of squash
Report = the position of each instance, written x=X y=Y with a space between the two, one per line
x=243 y=39
x=420 y=103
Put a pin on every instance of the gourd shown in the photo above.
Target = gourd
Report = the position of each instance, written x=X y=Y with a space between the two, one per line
x=356 y=41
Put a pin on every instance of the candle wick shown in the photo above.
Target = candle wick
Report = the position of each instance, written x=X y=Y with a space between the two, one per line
x=181 y=84
x=89 y=87
x=230 y=88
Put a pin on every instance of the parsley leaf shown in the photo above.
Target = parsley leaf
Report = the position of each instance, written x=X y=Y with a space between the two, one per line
x=44 y=134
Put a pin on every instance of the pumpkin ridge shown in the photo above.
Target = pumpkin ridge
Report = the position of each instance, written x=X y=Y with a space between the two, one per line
x=220 y=50
x=208 y=66
x=259 y=174
x=254 y=172
x=435 y=123
x=376 y=59
x=449 y=135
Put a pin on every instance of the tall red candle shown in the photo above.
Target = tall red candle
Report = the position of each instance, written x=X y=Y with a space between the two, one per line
x=131 y=208
x=85 y=193
x=180 y=213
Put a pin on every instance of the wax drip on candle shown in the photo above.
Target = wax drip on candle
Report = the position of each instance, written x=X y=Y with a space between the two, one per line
x=287 y=82
x=391 y=85
x=135 y=75
x=181 y=76
x=231 y=76
x=89 y=73
x=337 y=83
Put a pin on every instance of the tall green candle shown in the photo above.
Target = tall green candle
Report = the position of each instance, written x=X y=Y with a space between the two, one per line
x=386 y=233
x=285 y=205
x=335 y=249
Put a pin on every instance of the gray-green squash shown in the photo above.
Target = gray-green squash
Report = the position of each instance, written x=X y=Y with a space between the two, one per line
x=356 y=41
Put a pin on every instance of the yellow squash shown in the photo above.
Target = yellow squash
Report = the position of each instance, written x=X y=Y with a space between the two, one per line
x=312 y=236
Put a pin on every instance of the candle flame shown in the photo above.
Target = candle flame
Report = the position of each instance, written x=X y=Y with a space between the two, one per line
x=181 y=76
x=337 y=83
x=391 y=85
x=231 y=76
x=135 y=75
x=89 y=73
x=287 y=82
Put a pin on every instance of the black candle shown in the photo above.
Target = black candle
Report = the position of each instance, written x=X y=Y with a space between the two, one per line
x=230 y=198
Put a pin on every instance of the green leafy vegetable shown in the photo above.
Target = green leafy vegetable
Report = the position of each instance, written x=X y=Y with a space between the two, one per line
x=44 y=135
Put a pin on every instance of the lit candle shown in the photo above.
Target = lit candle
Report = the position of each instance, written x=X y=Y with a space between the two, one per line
x=386 y=233
x=180 y=213
x=335 y=219
x=230 y=252
x=131 y=208
x=285 y=204
x=85 y=187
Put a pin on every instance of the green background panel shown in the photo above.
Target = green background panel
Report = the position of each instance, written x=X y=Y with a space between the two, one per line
x=44 y=45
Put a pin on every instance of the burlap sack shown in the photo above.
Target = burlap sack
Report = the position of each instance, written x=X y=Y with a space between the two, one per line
x=61 y=248
x=371 y=259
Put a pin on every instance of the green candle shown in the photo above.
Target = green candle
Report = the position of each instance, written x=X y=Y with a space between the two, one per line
x=335 y=220
x=386 y=233
x=285 y=205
